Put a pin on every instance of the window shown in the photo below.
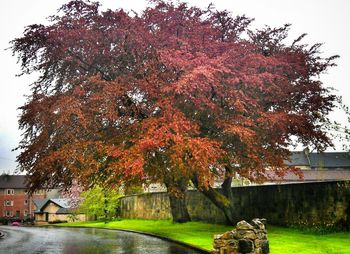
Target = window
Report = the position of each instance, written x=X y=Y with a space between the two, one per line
x=8 y=203
x=8 y=213
x=9 y=191
x=26 y=201
x=25 y=213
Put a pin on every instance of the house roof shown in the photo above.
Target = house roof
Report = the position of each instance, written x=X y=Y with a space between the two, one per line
x=18 y=182
x=39 y=203
x=64 y=210
x=298 y=159
x=12 y=181
x=320 y=160
x=63 y=203
x=316 y=175
x=330 y=160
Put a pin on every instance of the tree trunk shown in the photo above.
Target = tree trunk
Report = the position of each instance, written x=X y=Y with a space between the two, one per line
x=105 y=207
x=222 y=200
x=179 y=209
x=178 y=199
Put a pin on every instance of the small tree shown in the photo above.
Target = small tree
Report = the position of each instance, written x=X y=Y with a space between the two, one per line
x=100 y=202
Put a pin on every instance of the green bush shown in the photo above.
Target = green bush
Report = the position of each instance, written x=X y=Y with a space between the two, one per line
x=4 y=221
x=57 y=221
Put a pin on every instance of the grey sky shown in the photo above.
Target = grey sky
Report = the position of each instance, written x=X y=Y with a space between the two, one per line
x=325 y=21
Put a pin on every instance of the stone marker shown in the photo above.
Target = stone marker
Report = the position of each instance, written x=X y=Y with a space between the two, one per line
x=247 y=238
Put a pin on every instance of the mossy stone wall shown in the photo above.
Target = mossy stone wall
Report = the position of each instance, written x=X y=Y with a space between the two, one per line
x=323 y=204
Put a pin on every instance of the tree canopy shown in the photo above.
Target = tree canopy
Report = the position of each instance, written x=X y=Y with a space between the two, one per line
x=173 y=94
x=99 y=202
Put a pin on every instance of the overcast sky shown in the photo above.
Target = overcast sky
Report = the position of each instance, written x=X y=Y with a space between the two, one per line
x=324 y=21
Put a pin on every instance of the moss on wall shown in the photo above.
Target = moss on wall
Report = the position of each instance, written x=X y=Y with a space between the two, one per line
x=322 y=204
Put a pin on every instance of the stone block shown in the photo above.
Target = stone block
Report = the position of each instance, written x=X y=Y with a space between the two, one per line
x=232 y=249
x=226 y=235
x=246 y=234
x=261 y=235
x=257 y=243
x=233 y=243
x=223 y=250
x=264 y=221
x=218 y=243
x=243 y=225
x=258 y=224
x=217 y=236
x=228 y=250
x=265 y=247
x=258 y=251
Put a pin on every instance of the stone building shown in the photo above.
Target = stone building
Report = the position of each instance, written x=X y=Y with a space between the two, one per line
x=316 y=167
x=55 y=210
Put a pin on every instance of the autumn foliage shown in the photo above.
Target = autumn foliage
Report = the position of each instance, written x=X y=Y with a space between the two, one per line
x=174 y=94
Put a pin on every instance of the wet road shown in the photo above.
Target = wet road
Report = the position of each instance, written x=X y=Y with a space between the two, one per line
x=50 y=240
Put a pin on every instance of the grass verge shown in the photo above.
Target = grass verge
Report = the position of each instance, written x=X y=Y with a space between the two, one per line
x=282 y=240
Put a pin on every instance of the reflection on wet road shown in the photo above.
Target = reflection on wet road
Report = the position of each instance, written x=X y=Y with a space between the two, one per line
x=50 y=240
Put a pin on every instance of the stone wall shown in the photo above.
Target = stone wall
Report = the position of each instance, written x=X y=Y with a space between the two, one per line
x=325 y=204
x=146 y=206
x=245 y=239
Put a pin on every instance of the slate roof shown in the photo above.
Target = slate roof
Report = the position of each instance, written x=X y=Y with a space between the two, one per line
x=63 y=203
x=39 y=203
x=12 y=182
x=298 y=159
x=316 y=175
x=64 y=211
x=329 y=160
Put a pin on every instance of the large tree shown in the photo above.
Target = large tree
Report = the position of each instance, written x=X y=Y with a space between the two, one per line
x=173 y=95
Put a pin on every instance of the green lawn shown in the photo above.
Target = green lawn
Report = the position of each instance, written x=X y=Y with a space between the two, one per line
x=286 y=240
x=282 y=240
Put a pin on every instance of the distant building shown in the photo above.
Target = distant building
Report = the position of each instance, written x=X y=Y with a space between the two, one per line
x=55 y=210
x=326 y=166
x=15 y=202
x=154 y=187
x=315 y=167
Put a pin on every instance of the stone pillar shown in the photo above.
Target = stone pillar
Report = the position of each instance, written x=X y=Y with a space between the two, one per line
x=247 y=238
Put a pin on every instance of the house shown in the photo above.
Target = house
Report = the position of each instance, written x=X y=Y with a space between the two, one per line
x=315 y=167
x=15 y=202
x=55 y=210
x=326 y=166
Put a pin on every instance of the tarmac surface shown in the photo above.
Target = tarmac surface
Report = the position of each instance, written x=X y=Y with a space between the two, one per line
x=52 y=240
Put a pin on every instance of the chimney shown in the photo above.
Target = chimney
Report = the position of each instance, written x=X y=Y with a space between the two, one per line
x=307 y=152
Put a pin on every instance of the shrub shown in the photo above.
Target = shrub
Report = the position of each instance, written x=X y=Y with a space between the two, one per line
x=57 y=221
